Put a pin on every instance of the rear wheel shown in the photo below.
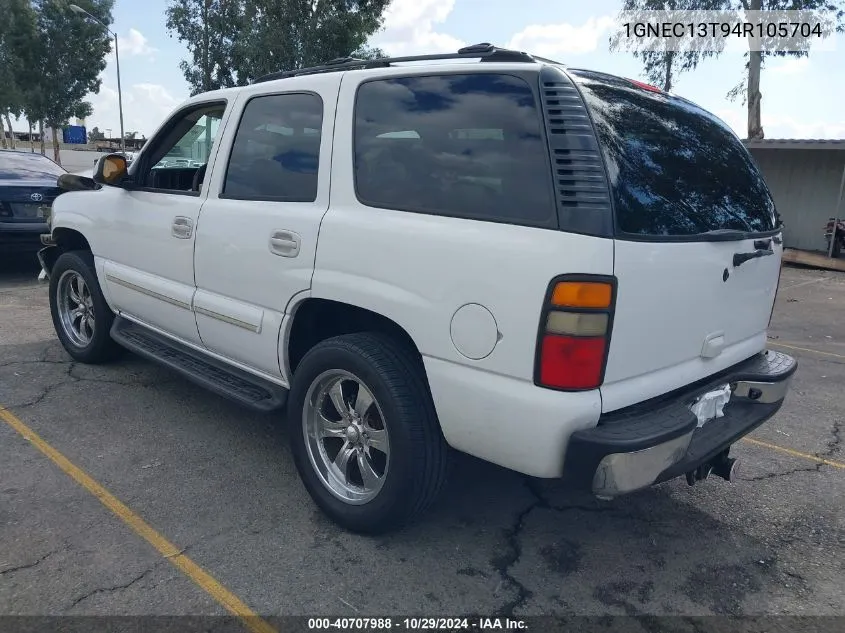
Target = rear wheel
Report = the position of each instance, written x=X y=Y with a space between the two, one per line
x=81 y=316
x=364 y=433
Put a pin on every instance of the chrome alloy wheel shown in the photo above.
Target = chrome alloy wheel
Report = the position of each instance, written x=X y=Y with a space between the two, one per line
x=346 y=436
x=76 y=308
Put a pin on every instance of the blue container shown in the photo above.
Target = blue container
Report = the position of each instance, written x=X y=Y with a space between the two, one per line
x=75 y=135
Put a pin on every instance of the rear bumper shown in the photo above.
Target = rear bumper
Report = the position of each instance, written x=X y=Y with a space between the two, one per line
x=660 y=439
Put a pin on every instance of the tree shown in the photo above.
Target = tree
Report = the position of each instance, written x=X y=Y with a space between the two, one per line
x=95 y=135
x=130 y=136
x=232 y=42
x=209 y=29
x=17 y=45
x=70 y=57
x=367 y=52
x=834 y=10
x=661 y=63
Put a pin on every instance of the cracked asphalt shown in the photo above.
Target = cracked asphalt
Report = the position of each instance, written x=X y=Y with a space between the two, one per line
x=219 y=482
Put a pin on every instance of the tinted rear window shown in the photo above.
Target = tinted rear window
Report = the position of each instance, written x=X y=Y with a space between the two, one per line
x=23 y=166
x=461 y=145
x=675 y=169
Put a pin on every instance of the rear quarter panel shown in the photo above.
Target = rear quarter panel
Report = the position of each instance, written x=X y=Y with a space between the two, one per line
x=419 y=269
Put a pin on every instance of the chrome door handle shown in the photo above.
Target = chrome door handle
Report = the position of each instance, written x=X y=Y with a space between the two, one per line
x=182 y=228
x=285 y=243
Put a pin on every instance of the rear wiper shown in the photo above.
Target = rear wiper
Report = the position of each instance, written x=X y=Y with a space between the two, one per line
x=723 y=235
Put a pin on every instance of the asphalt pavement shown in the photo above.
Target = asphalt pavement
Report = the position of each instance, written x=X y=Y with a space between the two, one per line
x=218 y=484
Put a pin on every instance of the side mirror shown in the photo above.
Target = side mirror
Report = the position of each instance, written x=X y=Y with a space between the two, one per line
x=74 y=182
x=111 y=170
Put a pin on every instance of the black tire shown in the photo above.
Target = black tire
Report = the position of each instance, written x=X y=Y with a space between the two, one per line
x=101 y=348
x=418 y=451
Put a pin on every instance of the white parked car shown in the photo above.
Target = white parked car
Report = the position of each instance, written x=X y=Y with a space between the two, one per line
x=563 y=272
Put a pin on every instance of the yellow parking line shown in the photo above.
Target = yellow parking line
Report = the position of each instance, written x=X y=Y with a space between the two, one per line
x=806 y=349
x=202 y=578
x=789 y=451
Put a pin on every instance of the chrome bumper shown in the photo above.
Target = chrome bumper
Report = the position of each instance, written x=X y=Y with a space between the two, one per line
x=630 y=451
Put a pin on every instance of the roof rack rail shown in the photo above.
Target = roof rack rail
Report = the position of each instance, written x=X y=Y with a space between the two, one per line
x=485 y=51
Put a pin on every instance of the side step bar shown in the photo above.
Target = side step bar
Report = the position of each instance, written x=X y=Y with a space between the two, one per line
x=229 y=382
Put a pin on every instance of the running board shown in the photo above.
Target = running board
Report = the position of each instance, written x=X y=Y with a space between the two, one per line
x=231 y=383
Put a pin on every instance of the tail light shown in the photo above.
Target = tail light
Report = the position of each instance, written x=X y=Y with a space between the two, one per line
x=574 y=335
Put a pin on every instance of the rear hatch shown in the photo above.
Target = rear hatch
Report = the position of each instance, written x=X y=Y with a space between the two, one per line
x=697 y=248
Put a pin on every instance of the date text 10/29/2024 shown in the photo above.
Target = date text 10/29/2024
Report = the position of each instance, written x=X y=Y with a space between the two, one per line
x=417 y=624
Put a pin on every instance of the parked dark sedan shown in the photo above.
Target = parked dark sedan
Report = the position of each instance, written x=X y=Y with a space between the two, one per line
x=27 y=190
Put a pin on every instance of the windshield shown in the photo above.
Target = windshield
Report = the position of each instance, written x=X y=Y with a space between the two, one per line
x=675 y=169
x=23 y=166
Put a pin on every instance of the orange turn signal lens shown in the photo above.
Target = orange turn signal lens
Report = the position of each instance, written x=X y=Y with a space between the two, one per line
x=582 y=294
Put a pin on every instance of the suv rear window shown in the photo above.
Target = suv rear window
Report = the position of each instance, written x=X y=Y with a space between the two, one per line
x=460 y=145
x=675 y=169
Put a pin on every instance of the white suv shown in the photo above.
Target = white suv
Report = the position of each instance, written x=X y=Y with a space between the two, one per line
x=563 y=272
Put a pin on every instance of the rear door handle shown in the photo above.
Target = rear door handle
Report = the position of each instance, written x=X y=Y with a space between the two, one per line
x=285 y=243
x=182 y=227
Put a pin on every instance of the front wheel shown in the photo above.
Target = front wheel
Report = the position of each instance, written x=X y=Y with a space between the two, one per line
x=81 y=316
x=364 y=433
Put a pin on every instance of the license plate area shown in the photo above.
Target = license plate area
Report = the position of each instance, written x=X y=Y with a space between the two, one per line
x=26 y=211
x=711 y=405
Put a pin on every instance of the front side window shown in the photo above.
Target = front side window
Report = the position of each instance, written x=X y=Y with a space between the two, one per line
x=276 y=153
x=178 y=156
x=461 y=145
x=194 y=147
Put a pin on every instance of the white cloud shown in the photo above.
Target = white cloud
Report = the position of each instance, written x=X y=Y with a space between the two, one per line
x=735 y=118
x=791 y=66
x=409 y=28
x=145 y=106
x=553 y=40
x=782 y=126
x=135 y=44
x=779 y=126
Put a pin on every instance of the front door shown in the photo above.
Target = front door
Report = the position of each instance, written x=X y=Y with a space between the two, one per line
x=148 y=250
x=257 y=236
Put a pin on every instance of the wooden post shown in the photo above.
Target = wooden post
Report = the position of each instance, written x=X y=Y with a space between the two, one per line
x=836 y=215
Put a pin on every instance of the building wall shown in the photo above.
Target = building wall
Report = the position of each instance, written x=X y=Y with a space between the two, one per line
x=805 y=186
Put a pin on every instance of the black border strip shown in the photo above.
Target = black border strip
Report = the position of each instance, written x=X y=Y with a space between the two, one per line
x=548 y=307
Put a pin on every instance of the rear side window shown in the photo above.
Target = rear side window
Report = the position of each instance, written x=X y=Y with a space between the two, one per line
x=675 y=169
x=276 y=152
x=467 y=145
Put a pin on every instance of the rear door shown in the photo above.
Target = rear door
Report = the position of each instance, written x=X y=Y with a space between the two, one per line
x=697 y=248
x=257 y=235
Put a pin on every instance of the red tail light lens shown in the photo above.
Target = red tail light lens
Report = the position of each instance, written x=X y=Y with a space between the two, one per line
x=570 y=362
x=574 y=332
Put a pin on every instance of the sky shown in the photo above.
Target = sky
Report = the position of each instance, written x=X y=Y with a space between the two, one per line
x=802 y=98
